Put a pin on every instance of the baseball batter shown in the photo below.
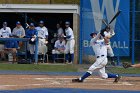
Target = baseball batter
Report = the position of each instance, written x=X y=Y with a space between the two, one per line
x=70 y=43
x=109 y=33
x=99 y=47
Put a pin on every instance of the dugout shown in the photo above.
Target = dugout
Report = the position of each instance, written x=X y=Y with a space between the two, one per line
x=51 y=14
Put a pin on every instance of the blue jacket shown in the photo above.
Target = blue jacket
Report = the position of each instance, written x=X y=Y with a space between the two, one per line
x=30 y=33
x=11 y=44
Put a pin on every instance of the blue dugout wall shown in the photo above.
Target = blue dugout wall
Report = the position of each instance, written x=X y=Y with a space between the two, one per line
x=91 y=15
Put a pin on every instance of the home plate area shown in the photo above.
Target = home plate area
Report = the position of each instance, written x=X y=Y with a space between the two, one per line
x=16 y=82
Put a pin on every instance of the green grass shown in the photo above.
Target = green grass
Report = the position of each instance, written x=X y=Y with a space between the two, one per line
x=39 y=67
x=121 y=70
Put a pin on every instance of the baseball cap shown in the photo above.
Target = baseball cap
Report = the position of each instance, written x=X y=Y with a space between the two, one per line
x=18 y=23
x=4 y=23
x=31 y=24
x=67 y=23
x=41 y=22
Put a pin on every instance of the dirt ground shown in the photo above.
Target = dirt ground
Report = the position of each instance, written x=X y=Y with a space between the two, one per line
x=14 y=82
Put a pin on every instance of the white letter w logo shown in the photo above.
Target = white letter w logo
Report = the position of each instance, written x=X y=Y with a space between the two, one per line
x=98 y=14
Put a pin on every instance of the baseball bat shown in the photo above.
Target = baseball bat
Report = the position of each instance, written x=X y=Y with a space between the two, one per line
x=103 y=20
x=117 y=14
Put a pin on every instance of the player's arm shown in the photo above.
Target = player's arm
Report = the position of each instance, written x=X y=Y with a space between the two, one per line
x=23 y=33
x=46 y=33
x=97 y=37
x=112 y=33
x=106 y=39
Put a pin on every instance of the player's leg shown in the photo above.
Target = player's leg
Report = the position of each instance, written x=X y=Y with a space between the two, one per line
x=72 y=43
x=14 y=51
x=3 y=52
x=54 y=55
x=105 y=75
x=97 y=65
x=32 y=50
x=111 y=55
x=67 y=49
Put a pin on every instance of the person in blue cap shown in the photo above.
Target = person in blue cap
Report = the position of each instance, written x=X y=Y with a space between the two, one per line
x=18 y=31
x=42 y=36
x=31 y=33
x=70 y=43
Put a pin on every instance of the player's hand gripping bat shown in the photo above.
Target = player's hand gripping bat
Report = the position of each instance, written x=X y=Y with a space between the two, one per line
x=115 y=16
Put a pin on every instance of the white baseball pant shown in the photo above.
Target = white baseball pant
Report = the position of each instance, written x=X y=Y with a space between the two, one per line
x=110 y=51
x=57 y=52
x=70 y=46
x=99 y=66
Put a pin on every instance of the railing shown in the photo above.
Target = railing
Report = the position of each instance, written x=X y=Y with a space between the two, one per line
x=24 y=40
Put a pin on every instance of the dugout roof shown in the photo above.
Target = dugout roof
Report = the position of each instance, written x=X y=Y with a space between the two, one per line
x=40 y=8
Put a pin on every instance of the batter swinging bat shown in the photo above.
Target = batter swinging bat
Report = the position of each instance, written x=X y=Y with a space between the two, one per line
x=117 y=14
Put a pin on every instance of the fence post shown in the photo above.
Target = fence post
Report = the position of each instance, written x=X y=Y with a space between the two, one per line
x=133 y=31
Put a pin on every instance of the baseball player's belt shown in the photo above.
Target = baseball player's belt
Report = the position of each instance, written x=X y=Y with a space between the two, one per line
x=100 y=56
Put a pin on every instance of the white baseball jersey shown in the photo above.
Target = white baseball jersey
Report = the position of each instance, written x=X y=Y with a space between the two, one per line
x=60 y=32
x=19 y=31
x=5 y=33
x=100 y=51
x=42 y=31
x=98 y=46
x=109 y=49
x=69 y=32
x=60 y=45
x=109 y=33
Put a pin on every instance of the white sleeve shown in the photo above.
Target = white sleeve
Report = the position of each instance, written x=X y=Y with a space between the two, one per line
x=13 y=32
x=112 y=32
x=23 y=30
x=55 y=45
x=9 y=29
x=93 y=40
x=46 y=31
x=0 y=32
x=97 y=37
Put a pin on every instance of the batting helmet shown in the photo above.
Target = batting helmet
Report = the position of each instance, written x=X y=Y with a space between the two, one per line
x=93 y=34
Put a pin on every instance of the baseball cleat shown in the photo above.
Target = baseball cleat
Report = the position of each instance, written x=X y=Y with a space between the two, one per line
x=117 y=79
x=76 y=80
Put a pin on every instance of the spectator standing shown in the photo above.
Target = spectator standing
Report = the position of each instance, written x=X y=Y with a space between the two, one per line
x=60 y=31
x=70 y=43
x=5 y=32
x=18 y=31
x=31 y=33
x=42 y=35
